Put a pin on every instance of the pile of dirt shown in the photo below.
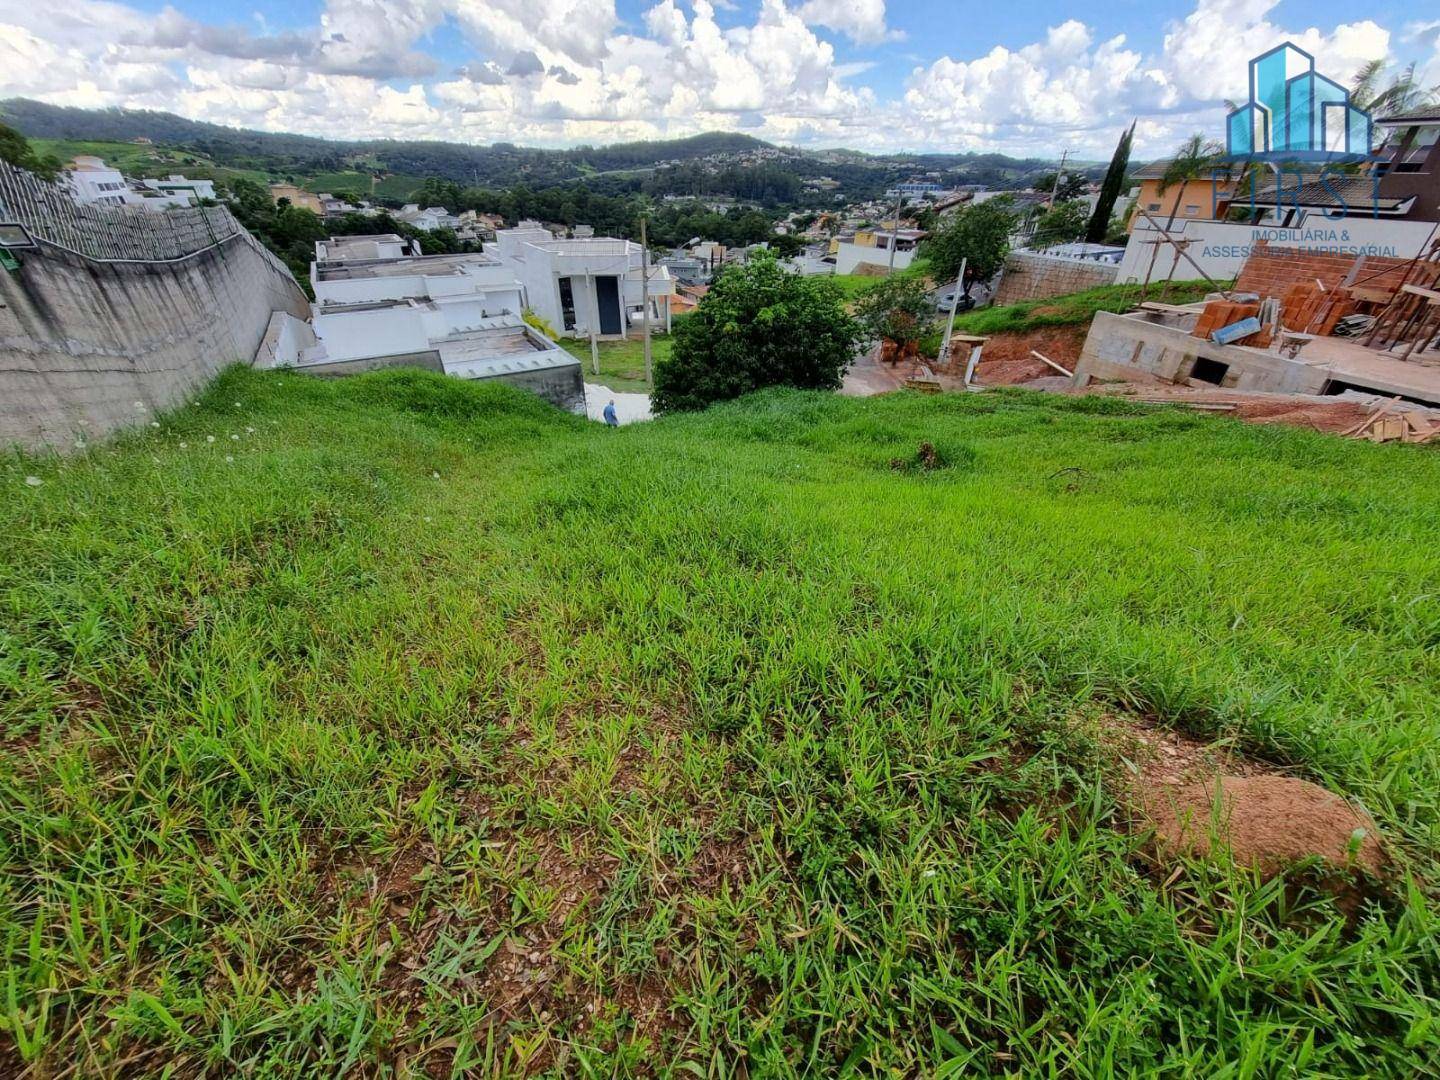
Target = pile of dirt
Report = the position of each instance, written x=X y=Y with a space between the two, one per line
x=1269 y=822
x=1196 y=795
x=1006 y=361
x=1333 y=417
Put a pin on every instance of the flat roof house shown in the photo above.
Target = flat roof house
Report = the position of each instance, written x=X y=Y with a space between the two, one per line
x=192 y=191
x=584 y=285
x=377 y=305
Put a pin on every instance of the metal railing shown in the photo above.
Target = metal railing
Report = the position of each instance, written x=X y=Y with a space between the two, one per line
x=50 y=214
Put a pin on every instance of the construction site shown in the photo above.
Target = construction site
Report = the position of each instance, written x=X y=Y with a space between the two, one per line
x=1346 y=344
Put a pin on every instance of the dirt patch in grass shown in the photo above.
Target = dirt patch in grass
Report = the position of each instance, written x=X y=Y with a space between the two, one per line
x=1197 y=797
x=1266 y=821
x=1006 y=360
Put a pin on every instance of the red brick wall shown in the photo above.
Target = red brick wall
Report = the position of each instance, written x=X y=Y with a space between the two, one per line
x=1270 y=271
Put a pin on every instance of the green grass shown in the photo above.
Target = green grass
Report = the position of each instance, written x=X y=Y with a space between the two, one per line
x=141 y=161
x=622 y=363
x=410 y=726
x=1073 y=309
x=397 y=186
x=855 y=285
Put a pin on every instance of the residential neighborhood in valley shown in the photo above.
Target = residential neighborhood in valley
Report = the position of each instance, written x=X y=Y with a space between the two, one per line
x=769 y=538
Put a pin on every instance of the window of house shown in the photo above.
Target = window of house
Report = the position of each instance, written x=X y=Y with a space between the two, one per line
x=1420 y=147
x=1191 y=209
x=1152 y=206
x=567 y=303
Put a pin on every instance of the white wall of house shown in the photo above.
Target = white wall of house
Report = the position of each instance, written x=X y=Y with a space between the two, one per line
x=381 y=332
x=850 y=256
x=95 y=182
x=541 y=262
x=1220 y=248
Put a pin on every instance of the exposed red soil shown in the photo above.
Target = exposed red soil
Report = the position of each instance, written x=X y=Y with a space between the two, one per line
x=1269 y=822
x=1006 y=361
x=1196 y=795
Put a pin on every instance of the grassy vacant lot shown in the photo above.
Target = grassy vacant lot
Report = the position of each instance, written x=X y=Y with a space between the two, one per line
x=622 y=363
x=411 y=726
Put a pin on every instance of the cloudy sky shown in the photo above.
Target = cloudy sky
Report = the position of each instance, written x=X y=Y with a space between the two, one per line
x=926 y=75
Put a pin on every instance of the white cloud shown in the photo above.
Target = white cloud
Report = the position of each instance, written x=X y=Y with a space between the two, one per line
x=863 y=21
x=560 y=71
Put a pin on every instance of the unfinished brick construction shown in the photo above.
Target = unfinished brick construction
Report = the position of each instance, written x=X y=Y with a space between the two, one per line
x=1271 y=271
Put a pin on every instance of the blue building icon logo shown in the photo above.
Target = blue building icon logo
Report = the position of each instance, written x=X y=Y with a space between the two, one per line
x=1296 y=114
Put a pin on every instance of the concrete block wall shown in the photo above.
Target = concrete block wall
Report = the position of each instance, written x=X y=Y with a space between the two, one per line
x=1136 y=349
x=1270 y=271
x=82 y=342
x=1030 y=275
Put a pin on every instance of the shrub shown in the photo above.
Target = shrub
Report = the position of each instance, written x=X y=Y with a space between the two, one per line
x=758 y=326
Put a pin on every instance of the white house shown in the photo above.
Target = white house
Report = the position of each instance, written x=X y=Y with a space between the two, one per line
x=850 y=255
x=428 y=219
x=582 y=285
x=446 y=279
x=191 y=191
x=92 y=181
x=377 y=305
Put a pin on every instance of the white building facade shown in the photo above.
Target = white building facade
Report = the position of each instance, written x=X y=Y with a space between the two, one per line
x=585 y=286
x=94 y=182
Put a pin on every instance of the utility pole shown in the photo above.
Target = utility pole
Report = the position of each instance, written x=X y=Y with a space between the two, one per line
x=954 y=303
x=1059 y=175
x=895 y=233
x=645 y=299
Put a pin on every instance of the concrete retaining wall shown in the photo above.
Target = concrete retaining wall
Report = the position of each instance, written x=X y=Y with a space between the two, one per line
x=82 y=342
x=1135 y=349
x=1030 y=275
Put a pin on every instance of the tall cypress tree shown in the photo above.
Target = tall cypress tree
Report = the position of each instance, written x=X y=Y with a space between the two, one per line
x=1110 y=189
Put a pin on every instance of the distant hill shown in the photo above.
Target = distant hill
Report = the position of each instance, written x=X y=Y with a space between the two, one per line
x=752 y=167
x=278 y=153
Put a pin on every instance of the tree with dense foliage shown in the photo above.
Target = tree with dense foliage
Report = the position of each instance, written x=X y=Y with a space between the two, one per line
x=758 y=326
x=16 y=149
x=899 y=309
x=1061 y=224
x=977 y=235
x=1110 y=187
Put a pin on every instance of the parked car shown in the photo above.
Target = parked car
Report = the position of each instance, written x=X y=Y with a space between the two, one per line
x=943 y=302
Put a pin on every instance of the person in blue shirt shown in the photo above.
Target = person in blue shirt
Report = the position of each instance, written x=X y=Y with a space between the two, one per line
x=610 y=417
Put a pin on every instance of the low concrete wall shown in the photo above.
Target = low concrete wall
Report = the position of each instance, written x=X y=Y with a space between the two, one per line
x=82 y=342
x=1030 y=275
x=1135 y=349
x=563 y=386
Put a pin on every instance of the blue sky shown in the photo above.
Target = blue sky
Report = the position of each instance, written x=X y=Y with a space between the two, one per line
x=1020 y=78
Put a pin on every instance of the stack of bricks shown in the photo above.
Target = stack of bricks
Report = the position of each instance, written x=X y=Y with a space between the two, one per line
x=1270 y=271
x=1311 y=310
x=1219 y=314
